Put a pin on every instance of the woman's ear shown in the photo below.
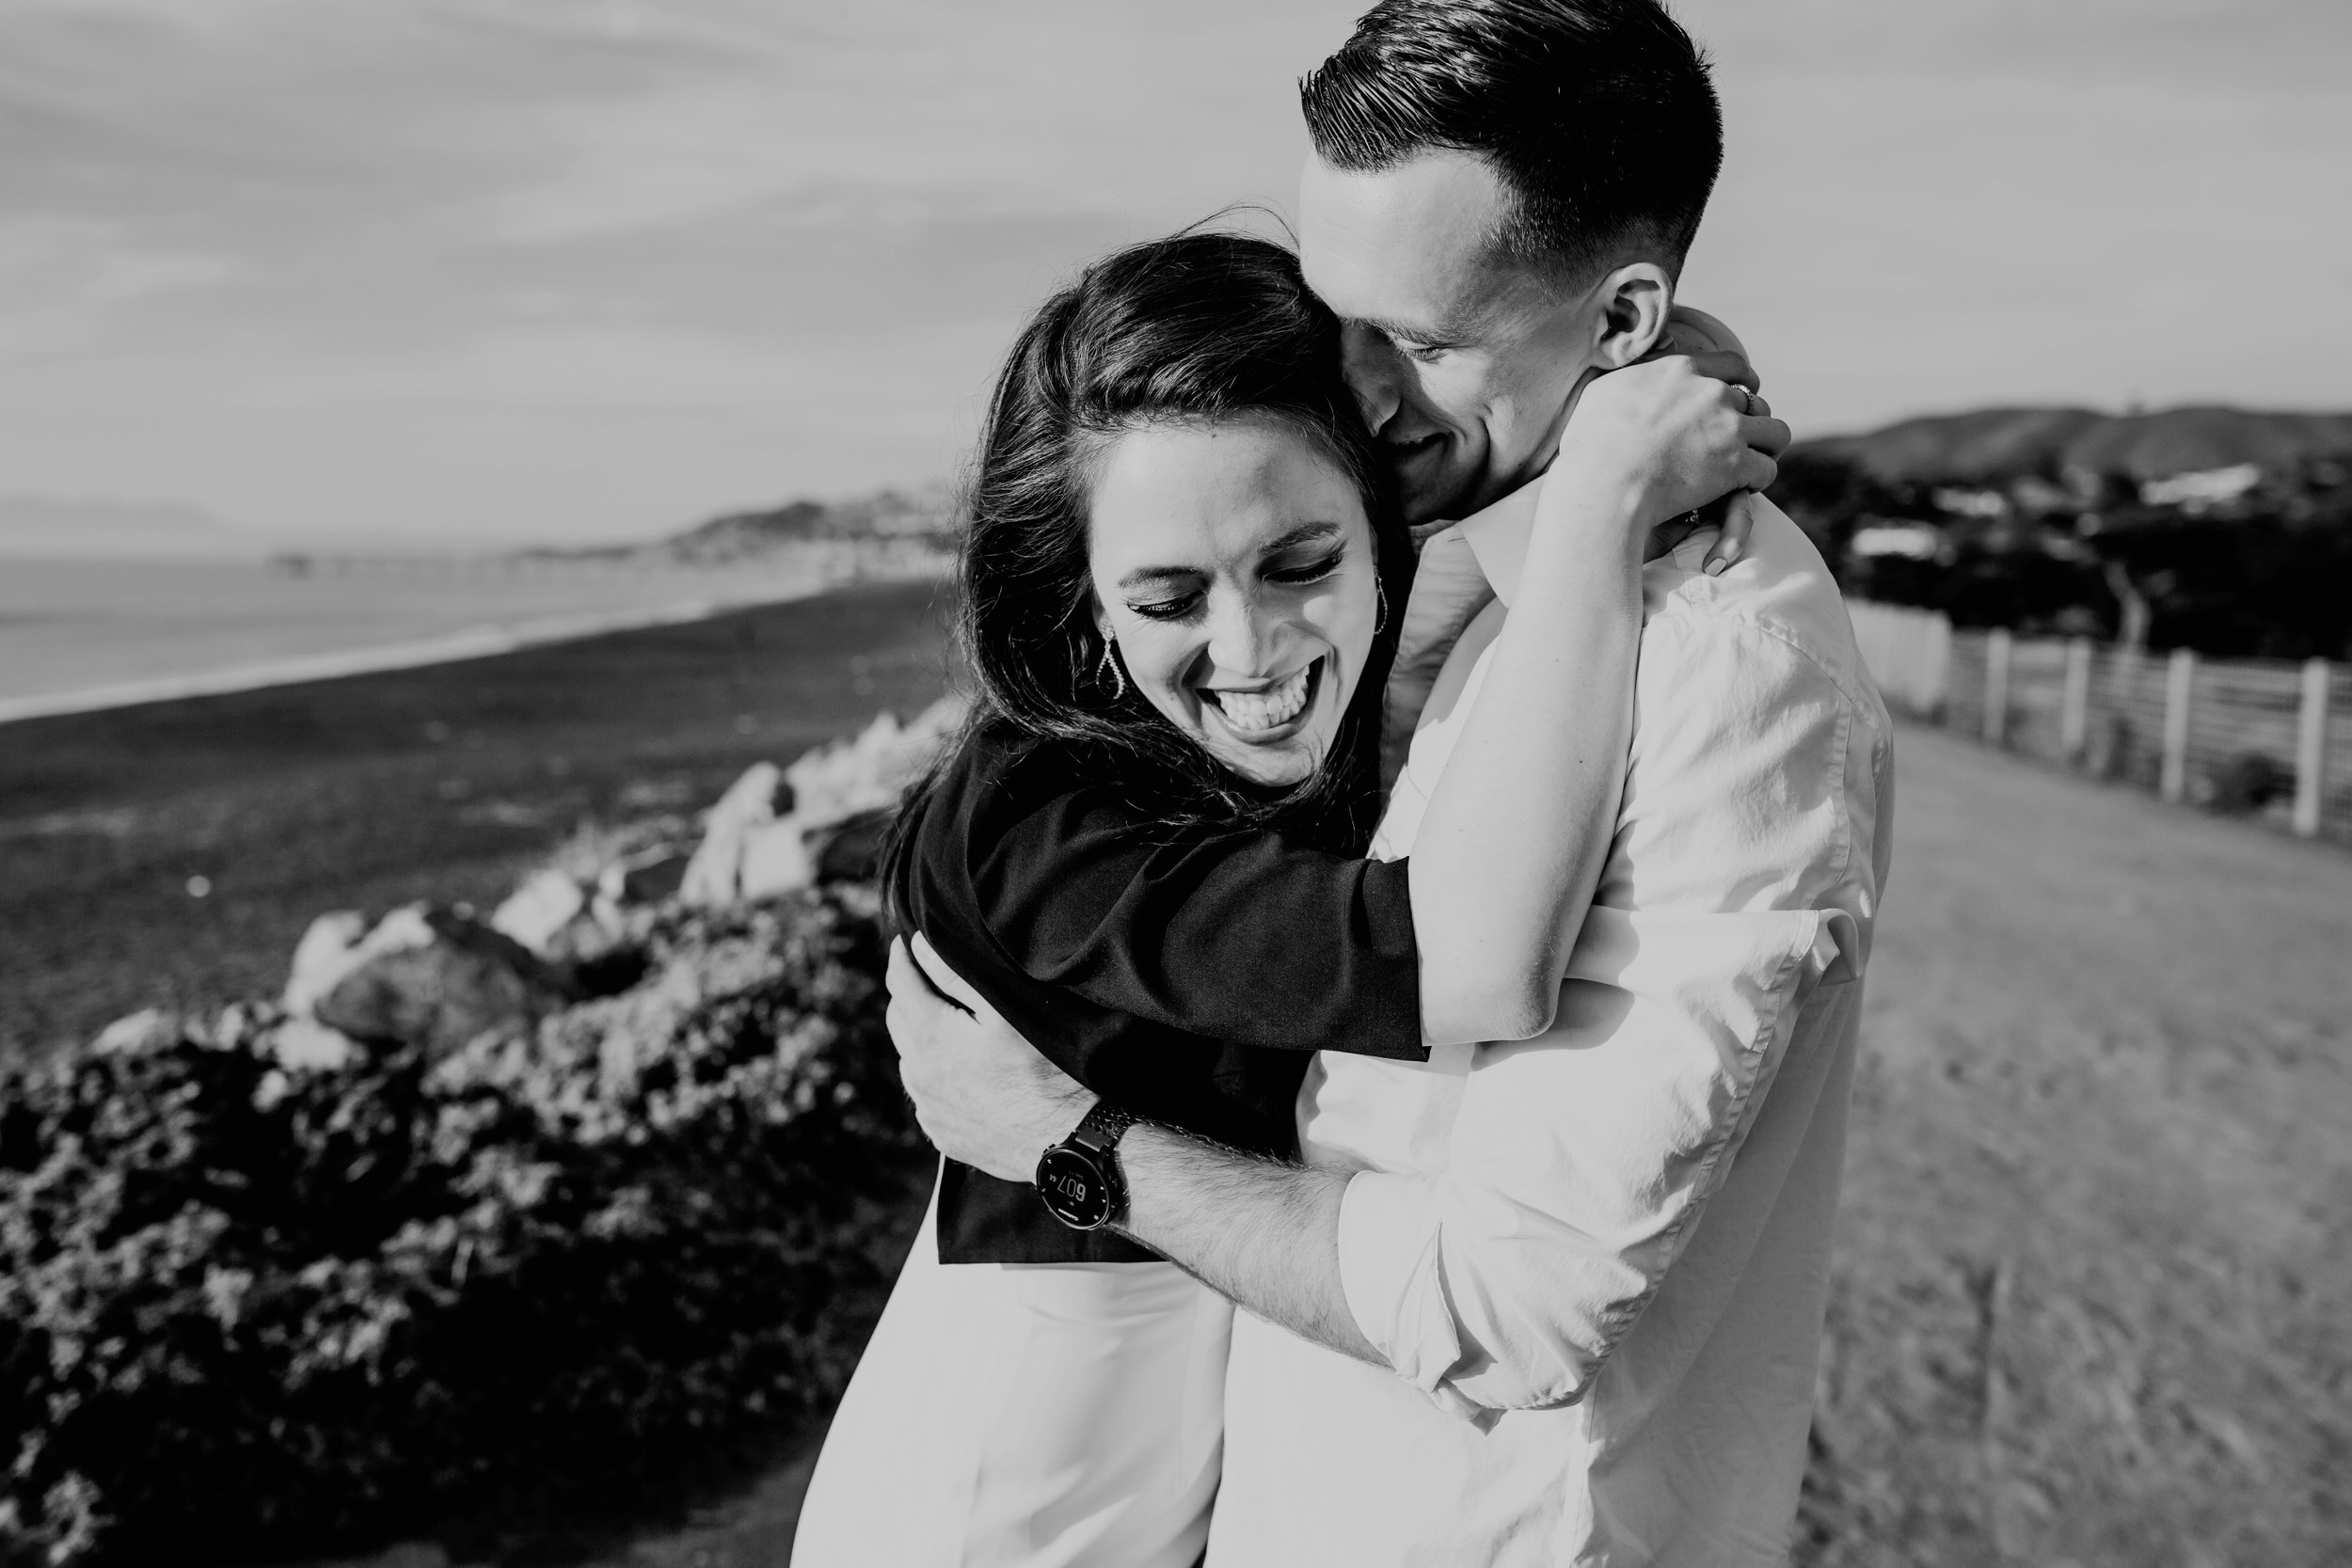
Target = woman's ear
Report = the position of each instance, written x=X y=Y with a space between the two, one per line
x=1102 y=618
x=1635 y=301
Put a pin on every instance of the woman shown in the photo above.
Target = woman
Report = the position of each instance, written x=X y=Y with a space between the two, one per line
x=1181 y=585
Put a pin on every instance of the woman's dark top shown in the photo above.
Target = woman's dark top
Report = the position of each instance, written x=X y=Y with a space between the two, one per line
x=1183 y=975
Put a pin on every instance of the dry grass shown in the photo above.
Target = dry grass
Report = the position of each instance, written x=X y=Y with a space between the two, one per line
x=2090 y=1301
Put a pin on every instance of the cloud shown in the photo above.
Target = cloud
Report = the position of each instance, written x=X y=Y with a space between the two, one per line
x=597 y=266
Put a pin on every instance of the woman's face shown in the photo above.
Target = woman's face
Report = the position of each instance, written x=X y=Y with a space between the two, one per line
x=1233 y=565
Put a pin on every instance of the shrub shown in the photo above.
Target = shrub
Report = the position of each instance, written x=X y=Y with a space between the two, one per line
x=245 y=1311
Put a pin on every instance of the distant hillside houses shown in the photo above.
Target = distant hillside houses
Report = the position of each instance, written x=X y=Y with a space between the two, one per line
x=2225 y=530
x=924 y=518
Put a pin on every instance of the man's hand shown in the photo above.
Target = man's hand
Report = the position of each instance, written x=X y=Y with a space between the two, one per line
x=982 y=1093
x=1261 y=1234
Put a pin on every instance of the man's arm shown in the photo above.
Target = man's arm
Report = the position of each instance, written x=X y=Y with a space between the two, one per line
x=1261 y=1234
x=1581 y=1161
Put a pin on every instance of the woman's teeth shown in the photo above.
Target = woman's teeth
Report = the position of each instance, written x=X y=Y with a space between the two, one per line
x=1263 y=710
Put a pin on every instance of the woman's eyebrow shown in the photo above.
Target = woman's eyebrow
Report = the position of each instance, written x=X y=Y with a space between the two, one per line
x=1307 y=533
x=1142 y=576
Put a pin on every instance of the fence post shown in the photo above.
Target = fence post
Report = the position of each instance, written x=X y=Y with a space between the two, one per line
x=2074 y=710
x=2310 y=749
x=1933 y=678
x=1996 y=651
x=2180 y=680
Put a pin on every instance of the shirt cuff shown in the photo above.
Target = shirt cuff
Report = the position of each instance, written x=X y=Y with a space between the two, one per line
x=1392 y=1275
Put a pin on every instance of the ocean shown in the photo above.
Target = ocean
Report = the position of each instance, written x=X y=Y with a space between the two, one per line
x=77 y=635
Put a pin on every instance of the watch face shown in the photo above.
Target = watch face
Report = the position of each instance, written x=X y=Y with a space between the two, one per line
x=1074 y=1187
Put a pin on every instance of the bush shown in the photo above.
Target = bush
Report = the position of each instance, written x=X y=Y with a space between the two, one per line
x=247 y=1312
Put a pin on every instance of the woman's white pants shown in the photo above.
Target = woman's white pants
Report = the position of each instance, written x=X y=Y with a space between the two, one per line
x=1027 y=1416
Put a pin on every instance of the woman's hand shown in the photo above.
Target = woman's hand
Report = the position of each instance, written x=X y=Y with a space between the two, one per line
x=1660 y=438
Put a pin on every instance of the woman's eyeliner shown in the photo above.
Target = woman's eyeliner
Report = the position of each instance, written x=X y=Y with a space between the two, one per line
x=1289 y=576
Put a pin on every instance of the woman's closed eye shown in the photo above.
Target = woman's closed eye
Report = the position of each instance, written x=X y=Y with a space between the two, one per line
x=1312 y=571
x=1165 y=609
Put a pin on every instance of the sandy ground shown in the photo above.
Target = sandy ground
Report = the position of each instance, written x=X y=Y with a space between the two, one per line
x=2089 y=1304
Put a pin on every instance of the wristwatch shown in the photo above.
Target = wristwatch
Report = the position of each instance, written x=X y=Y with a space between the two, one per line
x=1079 y=1177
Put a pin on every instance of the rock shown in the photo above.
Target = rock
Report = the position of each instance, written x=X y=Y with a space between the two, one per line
x=850 y=849
x=714 y=877
x=824 y=818
x=433 y=977
x=647 y=877
x=148 y=1029
x=873 y=770
x=775 y=860
x=325 y=954
x=545 y=903
x=306 y=1045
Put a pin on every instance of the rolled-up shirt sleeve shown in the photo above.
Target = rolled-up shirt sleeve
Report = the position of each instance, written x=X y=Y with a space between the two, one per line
x=1581 y=1160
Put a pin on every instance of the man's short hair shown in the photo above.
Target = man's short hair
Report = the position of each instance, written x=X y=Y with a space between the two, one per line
x=1598 y=116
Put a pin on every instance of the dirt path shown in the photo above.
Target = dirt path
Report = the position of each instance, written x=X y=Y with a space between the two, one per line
x=2092 y=1279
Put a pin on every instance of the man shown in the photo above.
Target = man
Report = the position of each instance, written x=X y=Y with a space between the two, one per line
x=1555 y=1301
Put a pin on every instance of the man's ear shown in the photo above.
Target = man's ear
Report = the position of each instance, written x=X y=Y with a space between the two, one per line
x=1635 y=300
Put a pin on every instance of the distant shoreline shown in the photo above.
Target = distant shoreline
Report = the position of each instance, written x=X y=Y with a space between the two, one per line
x=480 y=641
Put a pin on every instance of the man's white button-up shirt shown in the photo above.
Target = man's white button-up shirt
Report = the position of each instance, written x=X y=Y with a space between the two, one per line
x=1596 y=1259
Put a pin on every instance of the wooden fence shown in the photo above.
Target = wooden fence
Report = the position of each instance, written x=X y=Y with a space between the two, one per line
x=2263 y=737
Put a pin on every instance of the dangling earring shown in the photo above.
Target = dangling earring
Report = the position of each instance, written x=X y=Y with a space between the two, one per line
x=1110 y=663
x=1380 y=594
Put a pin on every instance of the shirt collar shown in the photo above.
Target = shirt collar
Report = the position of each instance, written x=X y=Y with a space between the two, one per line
x=1499 y=536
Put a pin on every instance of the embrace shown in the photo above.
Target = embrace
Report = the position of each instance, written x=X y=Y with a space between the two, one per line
x=1409 y=877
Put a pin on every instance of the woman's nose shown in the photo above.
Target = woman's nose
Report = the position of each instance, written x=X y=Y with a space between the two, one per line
x=1369 y=363
x=1242 y=639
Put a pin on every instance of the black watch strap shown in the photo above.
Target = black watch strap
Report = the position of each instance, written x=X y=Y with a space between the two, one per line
x=1100 y=1132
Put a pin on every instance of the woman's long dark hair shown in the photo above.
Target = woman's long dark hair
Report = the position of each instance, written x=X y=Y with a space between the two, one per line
x=1195 y=328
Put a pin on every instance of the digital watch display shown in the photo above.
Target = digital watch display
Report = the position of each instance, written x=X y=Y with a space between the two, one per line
x=1079 y=1179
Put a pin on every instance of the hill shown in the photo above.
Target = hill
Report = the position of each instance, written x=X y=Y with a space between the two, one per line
x=896 y=522
x=1990 y=446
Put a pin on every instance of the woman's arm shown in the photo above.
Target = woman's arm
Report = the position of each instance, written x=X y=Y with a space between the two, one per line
x=1517 y=827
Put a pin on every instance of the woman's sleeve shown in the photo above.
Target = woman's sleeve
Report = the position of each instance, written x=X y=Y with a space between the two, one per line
x=1247 y=938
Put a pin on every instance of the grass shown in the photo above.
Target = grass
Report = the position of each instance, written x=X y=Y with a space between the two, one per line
x=369 y=792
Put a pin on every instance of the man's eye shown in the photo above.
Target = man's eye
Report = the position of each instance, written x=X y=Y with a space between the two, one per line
x=1314 y=571
x=1165 y=609
x=1425 y=353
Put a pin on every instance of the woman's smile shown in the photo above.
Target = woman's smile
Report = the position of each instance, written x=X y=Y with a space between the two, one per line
x=1267 y=713
x=1241 y=588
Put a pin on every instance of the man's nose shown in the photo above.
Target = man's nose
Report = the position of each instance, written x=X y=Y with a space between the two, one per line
x=1369 y=362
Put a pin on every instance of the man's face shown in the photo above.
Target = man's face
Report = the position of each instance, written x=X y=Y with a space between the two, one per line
x=1465 y=360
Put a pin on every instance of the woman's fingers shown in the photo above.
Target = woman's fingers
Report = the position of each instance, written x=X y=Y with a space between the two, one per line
x=1755 y=470
x=947 y=981
x=1725 y=366
x=1739 y=522
x=1765 y=433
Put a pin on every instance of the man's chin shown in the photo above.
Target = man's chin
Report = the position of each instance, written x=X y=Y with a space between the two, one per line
x=1439 y=497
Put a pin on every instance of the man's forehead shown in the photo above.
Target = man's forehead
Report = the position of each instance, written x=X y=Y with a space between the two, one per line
x=1410 y=244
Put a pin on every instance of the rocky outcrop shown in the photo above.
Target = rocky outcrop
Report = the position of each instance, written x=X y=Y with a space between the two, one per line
x=426 y=975
x=821 y=819
x=583 y=925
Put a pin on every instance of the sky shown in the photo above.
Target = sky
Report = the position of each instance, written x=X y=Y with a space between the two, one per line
x=497 y=269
